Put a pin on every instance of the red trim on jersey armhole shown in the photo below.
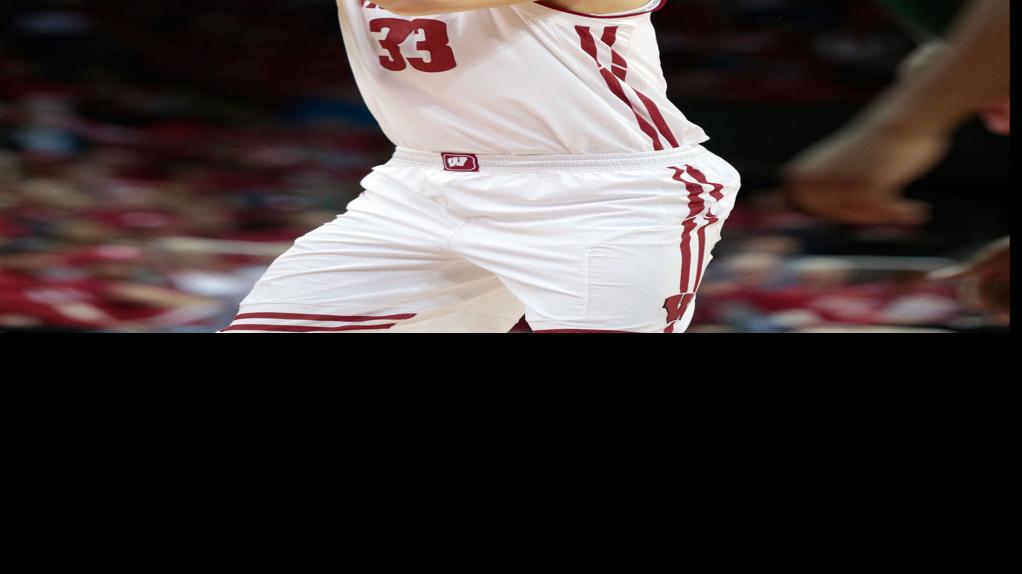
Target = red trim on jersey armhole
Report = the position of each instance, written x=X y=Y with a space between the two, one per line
x=581 y=332
x=546 y=4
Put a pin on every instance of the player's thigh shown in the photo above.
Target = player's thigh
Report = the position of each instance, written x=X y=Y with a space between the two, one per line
x=332 y=285
x=631 y=261
x=622 y=283
x=646 y=279
x=376 y=268
x=598 y=278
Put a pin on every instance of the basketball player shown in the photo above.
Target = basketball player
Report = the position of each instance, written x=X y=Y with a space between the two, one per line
x=857 y=176
x=540 y=170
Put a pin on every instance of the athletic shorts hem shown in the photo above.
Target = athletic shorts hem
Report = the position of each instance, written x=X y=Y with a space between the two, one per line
x=548 y=326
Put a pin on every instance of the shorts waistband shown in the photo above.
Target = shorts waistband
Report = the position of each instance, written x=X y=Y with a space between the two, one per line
x=467 y=162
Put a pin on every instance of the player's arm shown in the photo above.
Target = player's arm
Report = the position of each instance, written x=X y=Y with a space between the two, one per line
x=857 y=175
x=426 y=7
x=975 y=69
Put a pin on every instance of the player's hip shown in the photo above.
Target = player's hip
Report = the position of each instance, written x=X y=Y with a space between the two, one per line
x=466 y=162
x=496 y=186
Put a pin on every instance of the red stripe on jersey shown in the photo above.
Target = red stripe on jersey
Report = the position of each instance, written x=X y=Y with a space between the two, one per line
x=307 y=329
x=589 y=46
x=338 y=318
x=619 y=64
x=620 y=69
x=658 y=118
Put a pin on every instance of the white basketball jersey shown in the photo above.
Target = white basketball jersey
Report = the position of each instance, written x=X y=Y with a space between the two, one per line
x=526 y=79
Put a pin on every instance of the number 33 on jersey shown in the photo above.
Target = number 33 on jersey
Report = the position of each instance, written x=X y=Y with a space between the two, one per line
x=430 y=41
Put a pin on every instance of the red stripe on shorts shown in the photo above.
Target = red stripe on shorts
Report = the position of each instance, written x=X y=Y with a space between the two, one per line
x=717 y=194
x=307 y=329
x=690 y=227
x=696 y=204
x=338 y=318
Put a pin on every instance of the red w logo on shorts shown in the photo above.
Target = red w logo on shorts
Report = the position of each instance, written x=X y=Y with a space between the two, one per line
x=676 y=307
x=460 y=162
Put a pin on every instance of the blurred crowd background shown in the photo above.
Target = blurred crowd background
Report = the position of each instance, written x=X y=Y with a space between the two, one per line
x=156 y=156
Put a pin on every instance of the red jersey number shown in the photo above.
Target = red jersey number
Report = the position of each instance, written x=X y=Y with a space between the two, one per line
x=433 y=39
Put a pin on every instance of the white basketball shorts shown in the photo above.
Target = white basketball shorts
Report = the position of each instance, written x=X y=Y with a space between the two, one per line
x=464 y=243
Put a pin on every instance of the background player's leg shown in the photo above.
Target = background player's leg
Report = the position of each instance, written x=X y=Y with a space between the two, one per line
x=382 y=266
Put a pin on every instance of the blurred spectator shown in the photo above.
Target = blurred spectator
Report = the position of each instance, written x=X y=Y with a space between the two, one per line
x=155 y=157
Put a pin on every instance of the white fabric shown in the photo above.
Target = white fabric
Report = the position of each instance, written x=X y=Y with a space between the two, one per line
x=582 y=247
x=522 y=82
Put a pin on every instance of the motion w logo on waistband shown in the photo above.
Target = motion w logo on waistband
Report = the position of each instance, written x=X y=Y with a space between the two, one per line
x=460 y=162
